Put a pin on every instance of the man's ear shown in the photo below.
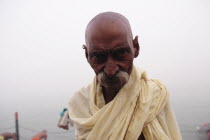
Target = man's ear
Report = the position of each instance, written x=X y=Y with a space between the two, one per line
x=86 y=51
x=136 y=46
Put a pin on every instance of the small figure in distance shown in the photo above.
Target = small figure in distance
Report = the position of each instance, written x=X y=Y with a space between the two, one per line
x=7 y=136
x=64 y=120
x=41 y=135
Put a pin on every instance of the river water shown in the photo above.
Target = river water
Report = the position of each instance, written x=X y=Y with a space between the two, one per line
x=190 y=112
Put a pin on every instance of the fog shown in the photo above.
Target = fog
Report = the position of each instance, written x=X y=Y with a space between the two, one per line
x=42 y=62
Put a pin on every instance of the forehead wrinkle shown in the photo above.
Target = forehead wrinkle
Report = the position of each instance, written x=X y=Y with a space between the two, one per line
x=107 y=46
x=107 y=50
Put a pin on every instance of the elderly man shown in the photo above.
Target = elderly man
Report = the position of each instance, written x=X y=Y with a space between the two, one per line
x=121 y=103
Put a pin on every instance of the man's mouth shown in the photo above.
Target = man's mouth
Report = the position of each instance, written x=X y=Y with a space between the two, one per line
x=120 y=78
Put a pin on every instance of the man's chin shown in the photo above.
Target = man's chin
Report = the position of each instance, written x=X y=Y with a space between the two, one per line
x=108 y=85
x=113 y=84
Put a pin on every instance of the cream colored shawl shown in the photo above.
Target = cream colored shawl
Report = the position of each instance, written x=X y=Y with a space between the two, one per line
x=140 y=106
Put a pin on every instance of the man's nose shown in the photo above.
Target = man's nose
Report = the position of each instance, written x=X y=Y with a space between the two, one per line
x=111 y=68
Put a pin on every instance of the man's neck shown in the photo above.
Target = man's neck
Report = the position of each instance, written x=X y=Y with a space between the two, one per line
x=110 y=93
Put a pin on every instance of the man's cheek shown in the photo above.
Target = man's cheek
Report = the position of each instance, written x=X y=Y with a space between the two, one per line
x=97 y=68
x=125 y=66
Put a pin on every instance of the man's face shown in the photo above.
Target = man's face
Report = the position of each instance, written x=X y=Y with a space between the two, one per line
x=111 y=53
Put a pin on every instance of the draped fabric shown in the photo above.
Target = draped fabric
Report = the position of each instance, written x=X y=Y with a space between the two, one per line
x=1 y=138
x=141 y=106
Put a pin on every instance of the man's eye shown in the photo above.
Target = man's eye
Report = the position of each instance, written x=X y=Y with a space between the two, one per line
x=98 y=57
x=121 y=52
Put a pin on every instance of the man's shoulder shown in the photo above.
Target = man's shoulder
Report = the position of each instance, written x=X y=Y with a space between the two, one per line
x=155 y=85
x=158 y=97
x=78 y=104
x=81 y=94
x=157 y=90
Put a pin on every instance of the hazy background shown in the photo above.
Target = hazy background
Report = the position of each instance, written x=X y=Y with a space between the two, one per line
x=42 y=62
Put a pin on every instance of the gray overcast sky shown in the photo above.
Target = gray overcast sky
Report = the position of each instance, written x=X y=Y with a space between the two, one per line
x=41 y=56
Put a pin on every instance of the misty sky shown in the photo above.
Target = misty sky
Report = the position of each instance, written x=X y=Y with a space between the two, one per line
x=42 y=62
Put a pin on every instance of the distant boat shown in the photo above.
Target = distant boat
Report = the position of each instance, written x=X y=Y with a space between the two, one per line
x=203 y=131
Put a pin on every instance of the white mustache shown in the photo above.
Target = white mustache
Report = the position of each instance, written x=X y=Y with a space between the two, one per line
x=121 y=77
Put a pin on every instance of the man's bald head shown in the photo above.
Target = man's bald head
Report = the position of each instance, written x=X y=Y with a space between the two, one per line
x=108 y=23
